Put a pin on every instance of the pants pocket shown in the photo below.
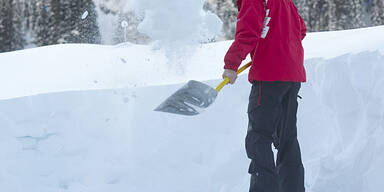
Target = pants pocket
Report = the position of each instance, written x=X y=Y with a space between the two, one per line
x=255 y=96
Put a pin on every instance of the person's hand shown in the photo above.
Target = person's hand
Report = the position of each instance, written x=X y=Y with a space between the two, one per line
x=231 y=75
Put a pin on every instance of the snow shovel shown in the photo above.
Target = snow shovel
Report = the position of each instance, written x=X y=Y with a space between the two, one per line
x=193 y=97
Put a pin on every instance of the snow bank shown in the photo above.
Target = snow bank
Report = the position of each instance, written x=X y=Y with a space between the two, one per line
x=342 y=123
x=86 y=67
x=110 y=139
x=336 y=43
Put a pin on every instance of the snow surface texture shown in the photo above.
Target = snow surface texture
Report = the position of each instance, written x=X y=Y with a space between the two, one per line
x=80 y=118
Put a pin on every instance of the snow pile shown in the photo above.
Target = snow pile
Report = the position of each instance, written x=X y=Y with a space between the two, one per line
x=94 y=128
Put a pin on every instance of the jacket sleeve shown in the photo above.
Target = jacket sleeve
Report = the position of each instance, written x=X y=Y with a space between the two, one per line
x=303 y=28
x=248 y=28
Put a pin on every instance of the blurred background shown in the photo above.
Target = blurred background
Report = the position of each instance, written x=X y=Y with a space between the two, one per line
x=34 y=23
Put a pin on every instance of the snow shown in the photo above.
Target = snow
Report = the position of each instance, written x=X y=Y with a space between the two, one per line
x=178 y=22
x=84 y=15
x=80 y=118
x=337 y=43
x=124 y=24
x=178 y=27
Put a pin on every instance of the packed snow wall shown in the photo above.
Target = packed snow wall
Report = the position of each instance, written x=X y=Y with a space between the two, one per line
x=112 y=140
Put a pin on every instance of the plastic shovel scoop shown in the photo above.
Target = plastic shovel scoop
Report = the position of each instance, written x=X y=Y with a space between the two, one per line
x=193 y=97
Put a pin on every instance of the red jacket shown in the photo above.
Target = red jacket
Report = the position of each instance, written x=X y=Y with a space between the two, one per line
x=271 y=31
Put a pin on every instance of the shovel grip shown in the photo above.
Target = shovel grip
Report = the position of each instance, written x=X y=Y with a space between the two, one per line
x=226 y=80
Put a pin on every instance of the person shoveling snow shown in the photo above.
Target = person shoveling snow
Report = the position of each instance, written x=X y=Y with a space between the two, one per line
x=271 y=31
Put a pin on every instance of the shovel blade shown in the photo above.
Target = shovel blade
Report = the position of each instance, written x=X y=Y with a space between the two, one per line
x=189 y=100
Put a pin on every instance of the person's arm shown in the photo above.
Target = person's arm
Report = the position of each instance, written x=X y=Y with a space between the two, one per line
x=303 y=28
x=249 y=25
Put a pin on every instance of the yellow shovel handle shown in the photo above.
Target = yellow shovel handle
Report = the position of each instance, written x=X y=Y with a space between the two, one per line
x=226 y=80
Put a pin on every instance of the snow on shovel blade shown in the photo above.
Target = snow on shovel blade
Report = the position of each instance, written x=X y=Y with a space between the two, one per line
x=189 y=100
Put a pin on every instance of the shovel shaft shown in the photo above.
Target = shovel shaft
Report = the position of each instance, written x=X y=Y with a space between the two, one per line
x=226 y=80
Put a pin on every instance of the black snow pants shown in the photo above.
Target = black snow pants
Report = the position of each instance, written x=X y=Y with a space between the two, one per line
x=272 y=113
